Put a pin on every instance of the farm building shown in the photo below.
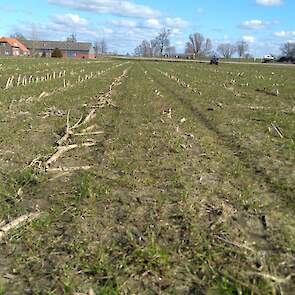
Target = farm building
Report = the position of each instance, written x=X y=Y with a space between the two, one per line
x=68 y=49
x=12 y=47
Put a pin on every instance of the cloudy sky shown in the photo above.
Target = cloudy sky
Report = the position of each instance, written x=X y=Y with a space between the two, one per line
x=264 y=24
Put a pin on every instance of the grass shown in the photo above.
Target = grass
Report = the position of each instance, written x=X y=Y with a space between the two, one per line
x=203 y=205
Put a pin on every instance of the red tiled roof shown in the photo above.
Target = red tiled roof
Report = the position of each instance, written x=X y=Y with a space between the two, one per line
x=15 y=43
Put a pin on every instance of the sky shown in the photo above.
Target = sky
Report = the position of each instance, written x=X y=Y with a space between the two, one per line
x=264 y=24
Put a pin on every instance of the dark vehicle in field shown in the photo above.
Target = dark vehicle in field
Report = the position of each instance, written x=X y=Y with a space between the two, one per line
x=287 y=59
x=214 y=60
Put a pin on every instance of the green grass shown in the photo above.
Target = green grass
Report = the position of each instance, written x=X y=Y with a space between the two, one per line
x=203 y=205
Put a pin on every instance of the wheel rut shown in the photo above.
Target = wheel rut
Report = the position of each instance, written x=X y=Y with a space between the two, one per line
x=234 y=147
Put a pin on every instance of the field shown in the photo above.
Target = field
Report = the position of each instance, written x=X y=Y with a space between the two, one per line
x=140 y=177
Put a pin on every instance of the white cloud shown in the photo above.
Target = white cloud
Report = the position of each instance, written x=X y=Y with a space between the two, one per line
x=283 y=34
x=269 y=2
x=115 y=7
x=170 y=23
x=153 y=23
x=123 y=32
x=124 y=23
x=70 y=20
x=176 y=22
x=249 y=39
x=254 y=24
x=280 y=34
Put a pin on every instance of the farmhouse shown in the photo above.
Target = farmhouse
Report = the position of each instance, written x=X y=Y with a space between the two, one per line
x=68 y=48
x=12 y=47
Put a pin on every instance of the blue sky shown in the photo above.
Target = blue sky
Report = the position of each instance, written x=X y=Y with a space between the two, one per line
x=264 y=24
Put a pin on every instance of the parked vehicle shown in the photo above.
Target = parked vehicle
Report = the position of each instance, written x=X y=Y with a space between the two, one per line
x=268 y=58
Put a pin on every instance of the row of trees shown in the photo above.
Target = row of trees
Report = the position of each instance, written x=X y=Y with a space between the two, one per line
x=100 y=47
x=227 y=50
x=196 y=46
x=159 y=46
x=288 y=50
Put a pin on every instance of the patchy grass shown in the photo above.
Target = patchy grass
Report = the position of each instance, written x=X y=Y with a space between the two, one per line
x=188 y=192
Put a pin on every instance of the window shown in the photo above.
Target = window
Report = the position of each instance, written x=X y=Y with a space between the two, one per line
x=71 y=53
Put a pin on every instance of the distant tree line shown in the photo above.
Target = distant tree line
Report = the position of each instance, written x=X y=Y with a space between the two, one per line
x=158 y=46
x=288 y=52
x=197 y=46
x=100 y=47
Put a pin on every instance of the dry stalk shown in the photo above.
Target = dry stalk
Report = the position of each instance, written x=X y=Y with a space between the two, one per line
x=9 y=82
x=90 y=128
x=89 y=133
x=22 y=81
x=271 y=278
x=37 y=162
x=92 y=113
x=179 y=82
x=238 y=245
x=105 y=99
x=68 y=169
x=277 y=129
x=89 y=117
x=63 y=149
x=61 y=174
x=43 y=94
x=4 y=230
x=69 y=129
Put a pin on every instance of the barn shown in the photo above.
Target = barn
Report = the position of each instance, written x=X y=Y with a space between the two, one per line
x=68 y=48
x=12 y=47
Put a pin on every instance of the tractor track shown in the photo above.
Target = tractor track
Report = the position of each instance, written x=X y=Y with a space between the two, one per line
x=256 y=173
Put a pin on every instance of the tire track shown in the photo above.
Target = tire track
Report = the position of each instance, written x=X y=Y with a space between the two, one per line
x=253 y=227
x=235 y=147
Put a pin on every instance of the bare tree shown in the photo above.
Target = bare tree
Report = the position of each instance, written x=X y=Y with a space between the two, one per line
x=189 y=48
x=171 y=51
x=144 y=49
x=100 y=47
x=147 y=49
x=242 y=48
x=137 y=50
x=103 y=46
x=288 y=49
x=34 y=38
x=248 y=56
x=19 y=36
x=195 y=44
x=155 y=49
x=227 y=50
x=72 y=38
x=207 y=47
x=96 y=48
x=162 y=41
